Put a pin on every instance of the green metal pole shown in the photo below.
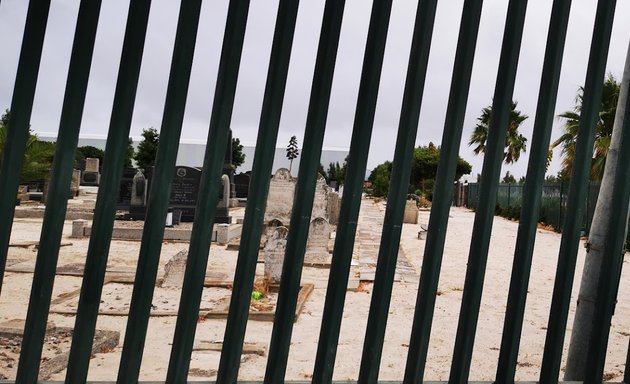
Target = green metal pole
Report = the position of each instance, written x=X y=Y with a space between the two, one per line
x=59 y=187
x=556 y=328
x=105 y=210
x=153 y=232
x=613 y=252
x=438 y=221
x=305 y=191
x=19 y=129
x=401 y=171
x=210 y=183
x=512 y=326
x=258 y=191
x=493 y=159
x=353 y=189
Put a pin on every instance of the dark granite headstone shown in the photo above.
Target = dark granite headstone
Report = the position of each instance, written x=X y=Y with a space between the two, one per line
x=241 y=184
x=124 y=191
x=184 y=191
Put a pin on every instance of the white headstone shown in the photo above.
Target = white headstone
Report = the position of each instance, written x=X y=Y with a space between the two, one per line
x=280 y=198
x=317 y=245
x=274 y=254
x=174 y=270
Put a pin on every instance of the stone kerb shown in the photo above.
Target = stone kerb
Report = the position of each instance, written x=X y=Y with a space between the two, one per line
x=274 y=254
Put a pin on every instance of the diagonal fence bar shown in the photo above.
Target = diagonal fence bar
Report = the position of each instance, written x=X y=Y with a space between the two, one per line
x=56 y=204
x=532 y=191
x=196 y=264
x=614 y=244
x=105 y=210
x=567 y=257
x=438 y=221
x=401 y=172
x=18 y=129
x=305 y=191
x=258 y=191
x=353 y=188
x=153 y=231
x=493 y=158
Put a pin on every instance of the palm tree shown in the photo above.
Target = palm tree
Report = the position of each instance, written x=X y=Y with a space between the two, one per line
x=603 y=130
x=515 y=143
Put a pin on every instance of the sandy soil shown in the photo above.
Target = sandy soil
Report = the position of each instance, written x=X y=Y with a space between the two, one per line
x=123 y=256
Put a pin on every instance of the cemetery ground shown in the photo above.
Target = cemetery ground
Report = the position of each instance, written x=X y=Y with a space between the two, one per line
x=205 y=359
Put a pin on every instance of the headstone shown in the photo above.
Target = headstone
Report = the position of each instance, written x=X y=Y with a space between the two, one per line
x=174 y=270
x=411 y=212
x=91 y=175
x=274 y=254
x=92 y=165
x=223 y=208
x=280 y=197
x=241 y=185
x=317 y=245
x=138 y=196
x=78 y=228
x=185 y=190
x=124 y=192
x=334 y=205
x=228 y=166
x=74 y=184
x=320 y=202
x=22 y=194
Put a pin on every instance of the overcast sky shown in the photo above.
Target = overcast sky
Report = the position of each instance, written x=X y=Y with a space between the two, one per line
x=159 y=45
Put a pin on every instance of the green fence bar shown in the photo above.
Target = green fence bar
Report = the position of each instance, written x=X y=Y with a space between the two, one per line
x=56 y=204
x=353 y=189
x=614 y=244
x=493 y=159
x=19 y=120
x=258 y=191
x=105 y=210
x=449 y=153
x=218 y=137
x=305 y=191
x=532 y=193
x=401 y=172
x=159 y=195
x=567 y=257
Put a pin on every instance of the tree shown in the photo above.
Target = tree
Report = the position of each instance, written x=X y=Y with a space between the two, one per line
x=423 y=171
x=380 y=177
x=147 y=149
x=88 y=151
x=603 y=130
x=321 y=171
x=583 y=323
x=38 y=155
x=292 y=151
x=509 y=178
x=515 y=143
x=238 y=157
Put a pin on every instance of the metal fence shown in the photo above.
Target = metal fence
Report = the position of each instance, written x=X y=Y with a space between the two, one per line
x=553 y=203
x=145 y=278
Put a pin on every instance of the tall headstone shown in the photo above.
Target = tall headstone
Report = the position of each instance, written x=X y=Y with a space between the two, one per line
x=185 y=191
x=138 y=196
x=228 y=166
x=241 y=185
x=223 y=208
x=317 y=245
x=334 y=205
x=280 y=197
x=74 y=184
x=274 y=254
x=320 y=202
